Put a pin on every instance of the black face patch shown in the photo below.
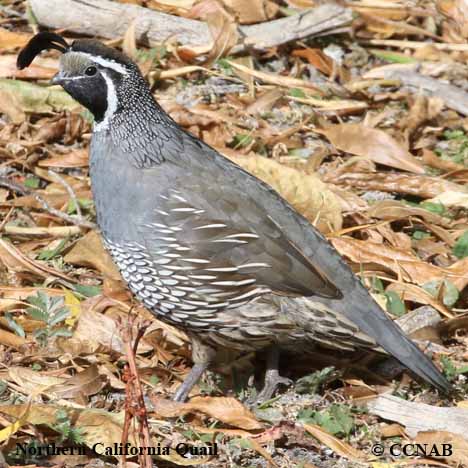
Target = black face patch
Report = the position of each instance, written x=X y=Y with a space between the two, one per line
x=91 y=92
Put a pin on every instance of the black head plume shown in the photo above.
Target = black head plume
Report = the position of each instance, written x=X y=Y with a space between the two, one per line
x=40 y=42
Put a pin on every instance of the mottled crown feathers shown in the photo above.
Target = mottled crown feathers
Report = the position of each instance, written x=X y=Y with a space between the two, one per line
x=96 y=48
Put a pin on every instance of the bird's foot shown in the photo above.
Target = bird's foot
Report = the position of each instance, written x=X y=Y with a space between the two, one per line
x=272 y=381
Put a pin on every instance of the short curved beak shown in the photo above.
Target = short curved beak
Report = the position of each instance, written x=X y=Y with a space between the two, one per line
x=57 y=79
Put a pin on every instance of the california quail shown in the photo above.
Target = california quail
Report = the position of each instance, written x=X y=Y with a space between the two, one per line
x=204 y=245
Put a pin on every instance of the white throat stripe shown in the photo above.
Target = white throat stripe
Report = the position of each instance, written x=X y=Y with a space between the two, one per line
x=111 y=104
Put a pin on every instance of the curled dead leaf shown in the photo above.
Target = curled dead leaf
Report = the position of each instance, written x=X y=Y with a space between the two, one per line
x=306 y=192
x=403 y=263
x=338 y=446
x=227 y=410
x=371 y=143
x=90 y=252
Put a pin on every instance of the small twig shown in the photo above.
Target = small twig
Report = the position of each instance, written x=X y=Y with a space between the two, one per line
x=6 y=219
x=135 y=403
x=69 y=189
x=21 y=189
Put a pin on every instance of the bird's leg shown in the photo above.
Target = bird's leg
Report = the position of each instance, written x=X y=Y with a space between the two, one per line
x=272 y=377
x=184 y=389
x=202 y=356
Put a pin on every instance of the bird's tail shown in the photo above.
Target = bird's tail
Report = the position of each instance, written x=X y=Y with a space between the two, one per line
x=363 y=311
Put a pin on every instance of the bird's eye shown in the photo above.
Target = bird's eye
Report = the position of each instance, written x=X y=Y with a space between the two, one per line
x=91 y=71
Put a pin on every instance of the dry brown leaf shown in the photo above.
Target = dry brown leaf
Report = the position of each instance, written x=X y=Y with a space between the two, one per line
x=396 y=182
x=458 y=445
x=223 y=29
x=176 y=7
x=431 y=159
x=95 y=332
x=306 y=192
x=265 y=102
x=73 y=158
x=402 y=262
x=129 y=45
x=10 y=339
x=456 y=11
x=12 y=40
x=452 y=198
x=373 y=144
x=40 y=69
x=31 y=382
x=387 y=28
x=252 y=11
x=10 y=106
x=227 y=410
x=277 y=80
x=317 y=58
x=342 y=106
x=89 y=251
x=85 y=383
x=15 y=260
x=338 y=446
x=413 y=293
x=395 y=209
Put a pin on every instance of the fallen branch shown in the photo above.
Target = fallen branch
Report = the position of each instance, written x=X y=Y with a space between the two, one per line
x=112 y=19
x=453 y=97
x=419 y=417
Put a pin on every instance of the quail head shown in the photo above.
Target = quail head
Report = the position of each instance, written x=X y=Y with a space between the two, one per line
x=203 y=244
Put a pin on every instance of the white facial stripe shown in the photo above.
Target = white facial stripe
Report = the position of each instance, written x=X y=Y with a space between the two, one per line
x=111 y=104
x=106 y=63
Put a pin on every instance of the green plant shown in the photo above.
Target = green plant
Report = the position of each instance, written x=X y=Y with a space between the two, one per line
x=51 y=311
x=337 y=419
x=460 y=249
x=66 y=430
x=450 y=370
x=394 y=304
x=311 y=383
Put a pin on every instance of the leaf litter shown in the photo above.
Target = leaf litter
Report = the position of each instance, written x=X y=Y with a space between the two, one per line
x=365 y=134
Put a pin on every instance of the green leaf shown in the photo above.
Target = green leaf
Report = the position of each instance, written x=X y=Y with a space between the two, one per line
x=59 y=316
x=336 y=419
x=87 y=290
x=449 y=369
x=310 y=384
x=241 y=140
x=225 y=66
x=61 y=332
x=297 y=92
x=393 y=57
x=460 y=249
x=394 y=304
x=50 y=254
x=16 y=327
x=420 y=235
x=32 y=182
x=37 y=314
x=450 y=291
x=451 y=294
x=377 y=284
x=462 y=370
x=436 y=208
